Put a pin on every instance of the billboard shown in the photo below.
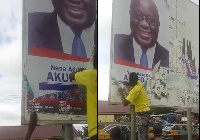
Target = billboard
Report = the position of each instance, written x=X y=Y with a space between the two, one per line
x=157 y=41
x=58 y=39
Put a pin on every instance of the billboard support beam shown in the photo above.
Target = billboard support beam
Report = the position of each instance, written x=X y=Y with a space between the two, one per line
x=68 y=132
x=133 y=123
x=189 y=121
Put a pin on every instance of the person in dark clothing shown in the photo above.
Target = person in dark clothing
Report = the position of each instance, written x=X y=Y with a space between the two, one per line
x=116 y=134
x=32 y=125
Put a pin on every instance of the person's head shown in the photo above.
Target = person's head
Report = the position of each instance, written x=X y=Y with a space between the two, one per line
x=144 y=22
x=95 y=61
x=78 y=14
x=133 y=79
x=115 y=133
x=158 y=88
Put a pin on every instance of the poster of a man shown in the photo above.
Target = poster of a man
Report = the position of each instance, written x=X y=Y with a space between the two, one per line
x=68 y=29
x=141 y=46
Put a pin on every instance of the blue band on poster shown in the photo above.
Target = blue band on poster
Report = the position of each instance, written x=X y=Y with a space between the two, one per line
x=193 y=77
x=59 y=87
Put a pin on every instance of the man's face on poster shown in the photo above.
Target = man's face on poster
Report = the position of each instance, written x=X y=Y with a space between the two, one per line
x=144 y=22
x=78 y=14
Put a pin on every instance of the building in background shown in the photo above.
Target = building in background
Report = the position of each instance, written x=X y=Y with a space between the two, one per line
x=109 y=113
x=45 y=132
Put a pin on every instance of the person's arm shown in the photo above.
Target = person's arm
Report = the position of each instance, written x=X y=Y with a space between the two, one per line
x=124 y=101
x=32 y=125
x=82 y=78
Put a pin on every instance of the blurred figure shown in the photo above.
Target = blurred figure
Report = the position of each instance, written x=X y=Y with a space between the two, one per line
x=115 y=134
x=32 y=125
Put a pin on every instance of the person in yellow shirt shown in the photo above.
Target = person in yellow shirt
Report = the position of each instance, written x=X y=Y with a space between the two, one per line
x=88 y=78
x=138 y=96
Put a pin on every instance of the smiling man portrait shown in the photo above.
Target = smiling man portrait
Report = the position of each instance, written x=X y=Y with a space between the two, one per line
x=68 y=29
x=141 y=46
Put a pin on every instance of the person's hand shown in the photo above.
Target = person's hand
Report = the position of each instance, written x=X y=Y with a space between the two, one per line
x=80 y=69
x=33 y=121
x=117 y=83
x=120 y=90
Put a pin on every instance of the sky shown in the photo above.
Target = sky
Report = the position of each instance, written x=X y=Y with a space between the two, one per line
x=11 y=57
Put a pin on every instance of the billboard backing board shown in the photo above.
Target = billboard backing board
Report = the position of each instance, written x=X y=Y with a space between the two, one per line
x=56 y=42
x=160 y=43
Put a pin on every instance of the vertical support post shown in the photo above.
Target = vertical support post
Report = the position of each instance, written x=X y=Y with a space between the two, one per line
x=189 y=121
x=68 y=132
x=133 y=123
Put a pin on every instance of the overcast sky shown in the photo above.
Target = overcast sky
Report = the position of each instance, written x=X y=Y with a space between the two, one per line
x=11 y=57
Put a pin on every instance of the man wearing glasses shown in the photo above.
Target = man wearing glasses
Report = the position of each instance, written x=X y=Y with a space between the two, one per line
x=141 y=46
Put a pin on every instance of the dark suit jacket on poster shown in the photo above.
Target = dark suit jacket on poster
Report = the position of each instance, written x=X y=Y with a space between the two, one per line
x=43 y=31
x=124 y=50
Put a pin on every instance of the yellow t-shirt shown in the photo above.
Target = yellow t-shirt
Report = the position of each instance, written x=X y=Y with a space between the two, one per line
x=88 y=78
x=138 y=95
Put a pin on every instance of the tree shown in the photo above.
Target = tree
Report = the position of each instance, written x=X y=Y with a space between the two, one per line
x=85 y=131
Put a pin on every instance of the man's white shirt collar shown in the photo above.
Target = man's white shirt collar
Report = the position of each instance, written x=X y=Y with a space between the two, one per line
x=138 y=52
x=67 y=37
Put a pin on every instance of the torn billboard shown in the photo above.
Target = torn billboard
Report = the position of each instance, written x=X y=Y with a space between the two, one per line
x=156 y=40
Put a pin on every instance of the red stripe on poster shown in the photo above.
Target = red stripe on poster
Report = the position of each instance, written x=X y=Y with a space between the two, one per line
x=130 y=64
x=42 y=52
x=56 y=102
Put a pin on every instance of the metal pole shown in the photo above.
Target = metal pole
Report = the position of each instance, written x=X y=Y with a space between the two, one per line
x=189 y=121
x=133 y=123
x=68 y=132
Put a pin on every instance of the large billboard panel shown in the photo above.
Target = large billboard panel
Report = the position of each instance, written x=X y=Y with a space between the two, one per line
x=156 y=40
x=58 y=39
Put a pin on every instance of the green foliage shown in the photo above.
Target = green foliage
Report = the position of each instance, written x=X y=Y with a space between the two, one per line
x=85 y=131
